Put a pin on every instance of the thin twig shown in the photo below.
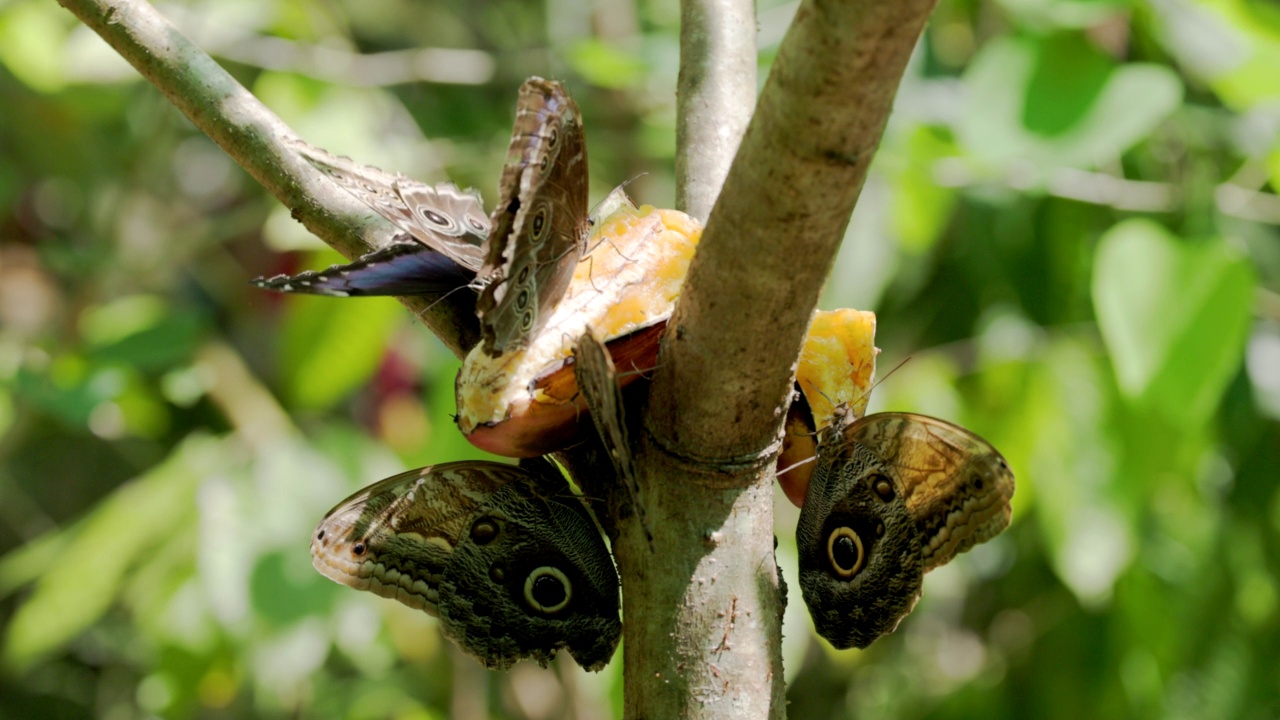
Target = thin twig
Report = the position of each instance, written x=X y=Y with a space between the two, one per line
x=256 y=139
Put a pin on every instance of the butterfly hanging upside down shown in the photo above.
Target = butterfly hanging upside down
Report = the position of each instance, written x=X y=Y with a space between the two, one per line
x=890 y=496
x=507 y=558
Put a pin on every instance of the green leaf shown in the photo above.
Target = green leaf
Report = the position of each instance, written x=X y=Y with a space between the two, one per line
x=83 y=579
x=332 y=345
x=1060 y=102
x=921 y=207
x=1232 y=45
x=1174 y=314
x=606 y=65
x=142 y=331
x=284 y=589
x=32 y=36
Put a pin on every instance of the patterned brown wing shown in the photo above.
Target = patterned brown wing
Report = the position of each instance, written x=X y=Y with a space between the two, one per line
x=509 y=560
x=540 y=224
x=894 y=496
x=442 y=217
x=598 y=382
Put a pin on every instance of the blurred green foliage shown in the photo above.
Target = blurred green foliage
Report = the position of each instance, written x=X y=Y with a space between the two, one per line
x=1072 y=230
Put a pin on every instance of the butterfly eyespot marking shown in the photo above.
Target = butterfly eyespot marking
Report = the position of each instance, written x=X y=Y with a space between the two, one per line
x=320 y=535
x=845 y=553
x=483 y=531
x=358 y=549
x=545 y=164
x=540 y=222
x=436 y=217
x=554 y=138
x=523 y=276
x=477 y=225
x=522 y=300
x=883 y=487
x=498 y=574
x=547 y=590
x=526 y=320
x=976 y=481
x=879 y=529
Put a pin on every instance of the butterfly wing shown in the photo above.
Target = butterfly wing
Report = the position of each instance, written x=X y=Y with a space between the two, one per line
x=598 y=382
x=861 y=569
x=442 y=217
x=401 y=268
x=956 y=485
x=545 y=581
x=894 y=495
x=540 y=224
x=508 y=560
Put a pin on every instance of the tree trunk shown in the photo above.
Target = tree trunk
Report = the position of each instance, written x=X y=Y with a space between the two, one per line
x=704 y=600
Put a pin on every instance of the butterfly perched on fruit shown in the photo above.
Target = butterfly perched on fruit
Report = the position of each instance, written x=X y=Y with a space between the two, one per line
x=544 y=271
x=507 y=558
x=883 y=498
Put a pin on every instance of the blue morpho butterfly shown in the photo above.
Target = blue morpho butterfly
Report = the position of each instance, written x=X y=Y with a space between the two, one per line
x=442 y=251
x=521 y=260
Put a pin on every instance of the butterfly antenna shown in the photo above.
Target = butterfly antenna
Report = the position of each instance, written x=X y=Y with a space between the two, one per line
x=818 y=390
x=644 y=373
x=591 y=219
x=793 y=466
x=895 y=369
x=862 y=394
x=441 y=299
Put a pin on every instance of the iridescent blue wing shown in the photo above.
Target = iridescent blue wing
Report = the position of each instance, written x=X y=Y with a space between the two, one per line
x=401 y=268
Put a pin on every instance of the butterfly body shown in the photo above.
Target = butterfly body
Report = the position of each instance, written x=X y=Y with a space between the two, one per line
x=545 y=273
x=540 y=225
x=893 y=496
x=507 y=559
x=525 y=402
x=836 y=367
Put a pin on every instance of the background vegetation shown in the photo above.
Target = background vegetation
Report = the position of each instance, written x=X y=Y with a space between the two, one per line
x=1071 y=230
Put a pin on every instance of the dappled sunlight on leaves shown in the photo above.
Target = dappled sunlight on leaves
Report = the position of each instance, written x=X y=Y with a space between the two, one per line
x=1069 y=236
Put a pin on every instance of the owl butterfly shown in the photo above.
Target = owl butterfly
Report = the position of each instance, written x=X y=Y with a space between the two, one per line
x=893 y=496
x=597 y=379
x=439 y=250
x=516 y=391
x=507 y=558
x=540 y=225
x=524 y=258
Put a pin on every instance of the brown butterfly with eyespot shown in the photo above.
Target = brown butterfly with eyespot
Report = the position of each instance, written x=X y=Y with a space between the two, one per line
x=540 y=225
x=544 y=271
x=893 y=496
x=597 y=379
x=506 y=557
x=521 y=259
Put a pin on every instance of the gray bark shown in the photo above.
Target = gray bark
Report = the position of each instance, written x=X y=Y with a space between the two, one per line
x=703 y=600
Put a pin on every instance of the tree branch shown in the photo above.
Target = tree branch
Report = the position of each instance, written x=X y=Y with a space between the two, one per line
x=258 y=141
x=707 y=642
x=703 y=631
x=726 y=365
x=714 y=97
